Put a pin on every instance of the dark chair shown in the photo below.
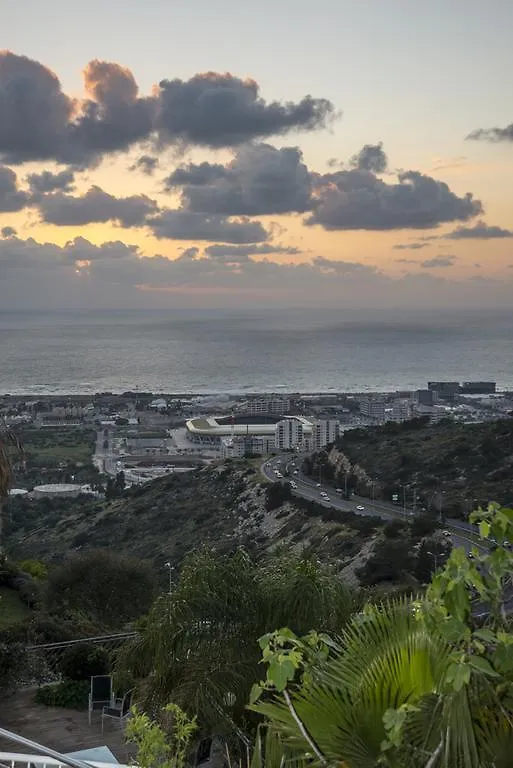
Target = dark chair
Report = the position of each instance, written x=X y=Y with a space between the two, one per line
x=119 y=710
x=100 y=695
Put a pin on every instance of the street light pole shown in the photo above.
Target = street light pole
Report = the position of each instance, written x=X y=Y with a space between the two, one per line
x=170 y=569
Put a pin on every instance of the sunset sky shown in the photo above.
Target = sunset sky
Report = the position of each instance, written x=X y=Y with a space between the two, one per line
x=336 y=153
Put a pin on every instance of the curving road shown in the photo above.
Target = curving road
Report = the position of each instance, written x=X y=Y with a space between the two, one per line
x=462 y=534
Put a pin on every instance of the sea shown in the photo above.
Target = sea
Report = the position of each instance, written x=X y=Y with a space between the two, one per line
x=218 y=351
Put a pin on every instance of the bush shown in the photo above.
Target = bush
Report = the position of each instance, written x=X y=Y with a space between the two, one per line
x=394 y=528
x=82 y=661
x=13 y=659
x=70 y=694
x=105 y=588
x=34 y=568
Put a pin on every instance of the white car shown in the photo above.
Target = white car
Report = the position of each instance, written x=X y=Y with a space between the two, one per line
x=326 y=498
x=278 y=474
x=323 y=493
x=318 y=485
x=360 y=508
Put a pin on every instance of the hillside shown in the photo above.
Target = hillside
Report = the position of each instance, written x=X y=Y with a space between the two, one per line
x=453 y=465
x=223 y=506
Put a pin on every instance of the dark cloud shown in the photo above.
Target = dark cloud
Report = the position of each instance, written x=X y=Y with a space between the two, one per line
x=11 y=197
x=359 y=200
x=148 y=164
x=492 y=135
x=340 y=267
x=480 y=231
x=196 y=174
x=238 y=253
x=39 y=121
x=260 y=180
x=47 y=181
x=219 y=110
x=409 y=246
x=95 y=206
x=187 y=225
x=371 y=157
x=8 y=232
x=438 y=261
x=35 y=113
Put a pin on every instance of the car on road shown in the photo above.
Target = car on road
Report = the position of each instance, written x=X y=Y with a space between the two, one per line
x=326 y=498
x=323 y=493
x=360 y=508
x=446 y=533
x=318 y=485
x=338 y=490
x=296 y=472
x=278 y=474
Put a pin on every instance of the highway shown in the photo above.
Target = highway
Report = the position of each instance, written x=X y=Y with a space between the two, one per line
x=462 y=534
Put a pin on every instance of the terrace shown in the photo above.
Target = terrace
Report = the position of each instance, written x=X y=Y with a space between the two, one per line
x=61 y=730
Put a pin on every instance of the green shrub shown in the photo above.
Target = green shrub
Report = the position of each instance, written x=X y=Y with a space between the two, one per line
x=13 y=658
x=70 y=694
x=80 y=662
x=34 y=568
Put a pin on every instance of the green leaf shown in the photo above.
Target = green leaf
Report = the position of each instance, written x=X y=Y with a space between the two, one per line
x=486 y=634
x=484 y=529
x=255 y=693
x=482 y=665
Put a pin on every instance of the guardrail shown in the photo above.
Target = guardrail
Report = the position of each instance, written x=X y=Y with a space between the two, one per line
x=44 y=757
x=43 y=661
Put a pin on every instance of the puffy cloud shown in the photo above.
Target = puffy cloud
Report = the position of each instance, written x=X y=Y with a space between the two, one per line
x=8 y=232
x=493 y=135
x=188 y=225
x=480 y=231
x=39 y=121
x=238 y=253
x=219 y=110
x=409 y=246
x=148 y=164
x=438 y=261
x=95 y=206
x=260 y=180
x=11 y=197
x=359 y=200
x=47 y=181
x=35 y=113
x=371 y=157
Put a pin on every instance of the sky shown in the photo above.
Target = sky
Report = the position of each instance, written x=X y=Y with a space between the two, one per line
x=228 y=154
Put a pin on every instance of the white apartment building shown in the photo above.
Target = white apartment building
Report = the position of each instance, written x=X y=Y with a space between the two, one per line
x=373 y=408
x=274 y=405
x=288 y=434
x=239 y=446
x=324 y=431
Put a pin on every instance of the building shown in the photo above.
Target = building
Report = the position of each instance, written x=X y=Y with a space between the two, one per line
x=426 y=396
x=288 y=434
x=401 y=410
x=478 y=388
x=324 y=432
x=373 y=408
x=240 y=446
x=212 y=430
x=274 y=405
x=447 y=390
x=63 y=490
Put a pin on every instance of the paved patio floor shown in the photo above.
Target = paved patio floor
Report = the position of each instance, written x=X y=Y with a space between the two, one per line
x=65 y=730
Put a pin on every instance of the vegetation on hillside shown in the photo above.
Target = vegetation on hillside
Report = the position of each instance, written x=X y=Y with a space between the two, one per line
x=454 y=467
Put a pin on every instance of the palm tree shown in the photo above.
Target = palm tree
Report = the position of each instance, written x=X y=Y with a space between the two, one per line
x=7 y=439
x=199 y=645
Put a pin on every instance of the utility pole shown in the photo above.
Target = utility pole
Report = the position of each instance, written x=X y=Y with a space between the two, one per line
x=345 y=485
x=404 y=499
x=414 y=499
x=170 y=569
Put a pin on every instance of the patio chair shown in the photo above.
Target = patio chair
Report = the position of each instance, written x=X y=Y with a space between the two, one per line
x=100 y=695
x=119 y=711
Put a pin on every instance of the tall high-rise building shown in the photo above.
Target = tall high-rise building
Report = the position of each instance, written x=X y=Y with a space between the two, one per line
x=288 y=434
x=324 y=431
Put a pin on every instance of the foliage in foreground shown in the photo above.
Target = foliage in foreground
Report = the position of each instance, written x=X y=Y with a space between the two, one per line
x=407 y=684
x=164 y=744
x=198 y=645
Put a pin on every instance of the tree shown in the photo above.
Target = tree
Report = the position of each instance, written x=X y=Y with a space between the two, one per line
x=408 y=684
x=198 y=646
x=103 y=587
x=8 y=441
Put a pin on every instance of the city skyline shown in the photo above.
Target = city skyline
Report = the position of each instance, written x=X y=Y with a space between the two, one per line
x=341 y=155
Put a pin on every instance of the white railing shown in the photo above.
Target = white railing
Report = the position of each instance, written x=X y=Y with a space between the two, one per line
x=44 y=757
x=18 y=760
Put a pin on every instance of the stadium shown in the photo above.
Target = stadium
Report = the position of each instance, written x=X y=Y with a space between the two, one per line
x=211 y=430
